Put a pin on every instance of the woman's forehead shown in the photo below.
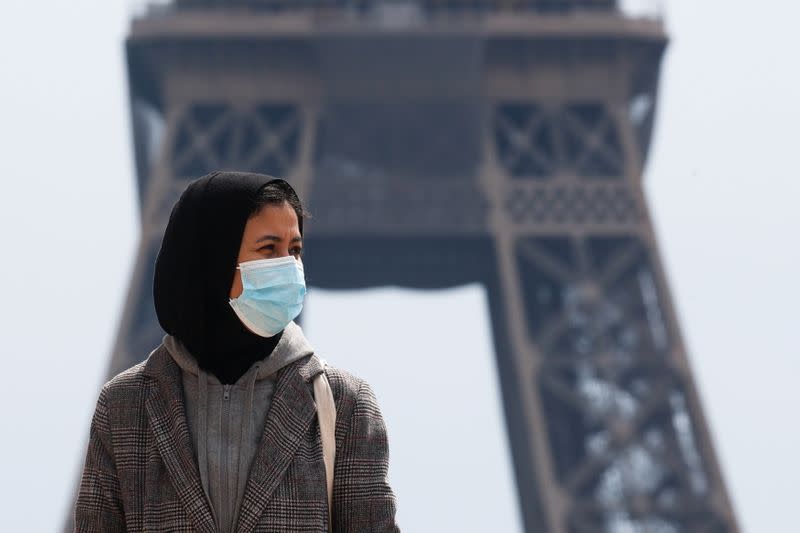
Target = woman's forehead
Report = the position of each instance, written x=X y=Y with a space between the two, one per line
x=276 y=218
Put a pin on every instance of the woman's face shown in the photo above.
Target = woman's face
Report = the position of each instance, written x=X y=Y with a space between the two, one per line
x=272 y=232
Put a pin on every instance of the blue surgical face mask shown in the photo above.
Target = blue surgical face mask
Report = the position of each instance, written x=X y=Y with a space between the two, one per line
x=272 y=295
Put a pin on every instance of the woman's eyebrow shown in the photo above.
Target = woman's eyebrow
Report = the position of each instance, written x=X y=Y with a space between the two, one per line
x=276 y=239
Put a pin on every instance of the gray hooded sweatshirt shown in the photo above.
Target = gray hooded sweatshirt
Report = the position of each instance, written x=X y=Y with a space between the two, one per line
x=226 y=421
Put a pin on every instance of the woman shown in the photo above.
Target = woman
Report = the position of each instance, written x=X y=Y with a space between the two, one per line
x=218 y=429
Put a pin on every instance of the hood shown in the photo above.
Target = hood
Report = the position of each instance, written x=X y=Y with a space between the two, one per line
x=291 y=347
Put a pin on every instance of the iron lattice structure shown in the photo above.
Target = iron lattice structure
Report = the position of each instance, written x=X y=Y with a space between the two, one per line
x=453 y=141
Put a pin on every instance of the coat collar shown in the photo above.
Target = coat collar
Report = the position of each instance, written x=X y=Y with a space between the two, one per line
x=167 y=413
x=290 y=414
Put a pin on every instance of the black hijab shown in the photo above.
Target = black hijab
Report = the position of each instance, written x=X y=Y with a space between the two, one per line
x=195 y=268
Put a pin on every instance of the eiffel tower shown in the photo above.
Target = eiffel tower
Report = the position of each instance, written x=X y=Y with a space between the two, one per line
x=449 y=142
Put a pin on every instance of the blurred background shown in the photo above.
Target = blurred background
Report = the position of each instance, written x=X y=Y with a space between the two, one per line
x=720 y=190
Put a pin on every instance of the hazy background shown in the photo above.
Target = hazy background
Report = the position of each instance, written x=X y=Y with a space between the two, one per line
x=723 y=188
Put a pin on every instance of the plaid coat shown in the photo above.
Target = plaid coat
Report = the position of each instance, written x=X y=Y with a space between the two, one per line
x=141 y=471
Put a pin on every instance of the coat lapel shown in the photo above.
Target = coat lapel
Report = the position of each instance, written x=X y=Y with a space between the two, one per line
x=167 y=413
x=290 y=415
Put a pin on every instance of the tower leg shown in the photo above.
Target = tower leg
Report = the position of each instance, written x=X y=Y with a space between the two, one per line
x=594 y=392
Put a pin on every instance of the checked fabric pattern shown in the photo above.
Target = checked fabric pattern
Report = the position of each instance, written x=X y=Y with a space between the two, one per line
x=141 y=474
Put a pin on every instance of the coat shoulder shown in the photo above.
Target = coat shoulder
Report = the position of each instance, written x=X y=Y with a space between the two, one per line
x=344 y=383
x=131 y=382
x=348 y=391
x=130 y=377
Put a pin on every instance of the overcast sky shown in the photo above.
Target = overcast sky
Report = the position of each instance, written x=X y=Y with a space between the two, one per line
x=722 y=184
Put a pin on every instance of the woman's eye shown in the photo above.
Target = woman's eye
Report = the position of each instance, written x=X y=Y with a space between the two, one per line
x=296 y=251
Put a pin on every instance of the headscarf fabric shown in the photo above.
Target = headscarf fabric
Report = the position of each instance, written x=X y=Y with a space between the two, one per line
x=195 y=269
